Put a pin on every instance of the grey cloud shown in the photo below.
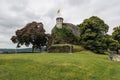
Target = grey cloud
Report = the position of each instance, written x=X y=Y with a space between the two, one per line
x=106 y=6
x=18 y=5
x=78 y=2
x=8 y=17
x=52 y=13
x=17 y=14
x=12 y=23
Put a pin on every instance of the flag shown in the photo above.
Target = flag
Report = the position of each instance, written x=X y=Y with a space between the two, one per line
x=58 y=11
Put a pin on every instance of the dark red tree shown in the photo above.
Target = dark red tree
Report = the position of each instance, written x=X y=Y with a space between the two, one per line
x=33 y=33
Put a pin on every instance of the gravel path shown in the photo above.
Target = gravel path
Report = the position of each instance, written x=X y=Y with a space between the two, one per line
x=117 y=59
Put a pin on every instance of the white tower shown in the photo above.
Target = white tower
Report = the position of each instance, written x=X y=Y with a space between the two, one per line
x=59 y=22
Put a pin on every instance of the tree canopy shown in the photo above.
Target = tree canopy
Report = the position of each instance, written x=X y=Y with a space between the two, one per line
x=112 y=44
x=116 y=33
x=33 y=33
x=93 y=34
x=116 y=36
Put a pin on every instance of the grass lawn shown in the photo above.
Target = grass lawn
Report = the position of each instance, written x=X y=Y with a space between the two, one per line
x=51 y=66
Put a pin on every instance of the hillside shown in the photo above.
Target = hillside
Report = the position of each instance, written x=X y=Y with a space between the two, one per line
x=78 y=66
x=15 y=50
x=21 y=50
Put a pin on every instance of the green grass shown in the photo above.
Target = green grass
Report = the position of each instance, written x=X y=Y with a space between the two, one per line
x=45 y=66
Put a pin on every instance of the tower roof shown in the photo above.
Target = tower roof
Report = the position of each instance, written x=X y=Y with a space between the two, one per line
x=59 y=18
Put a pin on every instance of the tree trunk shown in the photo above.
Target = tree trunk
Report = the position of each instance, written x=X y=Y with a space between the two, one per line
x=33 y=48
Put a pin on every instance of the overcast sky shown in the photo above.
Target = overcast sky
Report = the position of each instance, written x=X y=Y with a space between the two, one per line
x=14 y=14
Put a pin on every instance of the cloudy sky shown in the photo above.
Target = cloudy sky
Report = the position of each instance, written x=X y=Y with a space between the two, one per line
x=14 y=14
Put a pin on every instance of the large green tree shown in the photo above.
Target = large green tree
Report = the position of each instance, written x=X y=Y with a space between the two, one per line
x=116 y=33
x=33 y=33
x=93 y=34
x=112 y=44
x=116 y=36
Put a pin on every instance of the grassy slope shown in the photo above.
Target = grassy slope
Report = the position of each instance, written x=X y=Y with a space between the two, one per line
x=58 y=67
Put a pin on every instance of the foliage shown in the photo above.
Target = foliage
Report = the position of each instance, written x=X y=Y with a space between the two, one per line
x=112 y=44
x=92 y=34
x=116 y=33
x=63 y=35
x=33 y=33
x=82 y=66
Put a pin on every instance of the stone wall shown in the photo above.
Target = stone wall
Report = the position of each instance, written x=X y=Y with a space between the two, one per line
x=60 y=49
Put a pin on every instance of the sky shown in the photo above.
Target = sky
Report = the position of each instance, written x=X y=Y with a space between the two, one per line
x=15 y=14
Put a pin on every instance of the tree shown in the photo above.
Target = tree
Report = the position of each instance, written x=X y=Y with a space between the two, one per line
x=116 y=33
x=33 y=33
x=93 y=34
x=112 y=44
x=116 y=36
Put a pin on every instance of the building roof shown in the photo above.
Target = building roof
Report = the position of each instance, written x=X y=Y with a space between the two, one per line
x=59 y=18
